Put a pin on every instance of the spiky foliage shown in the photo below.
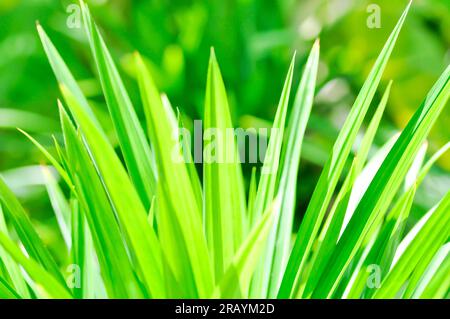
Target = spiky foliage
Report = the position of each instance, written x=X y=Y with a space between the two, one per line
x=146 y=226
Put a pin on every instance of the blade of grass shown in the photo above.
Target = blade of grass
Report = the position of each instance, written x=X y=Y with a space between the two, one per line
x=116 y=268
x=236 y=280
x=174 y=248
x=415 y=168
x=354 y=186
x=49 y=283
x=385 y=183
x=395 y=222
x=151 y=213
x=186 y=148
x=252 y=195
x=83 y=255
x=337 y=216
x=135 y=148
x=426 y=168
x=140 y=237
x=174 y=179
x=385 y=243
x=49 y=157
x=426 y=243
x=59 y=204
x=225 y=209
x=428 y=275
x=6 y=291
x=420 y=270
x=363 y=180
x=18 y=283
x=63 y=74
x=78 y=248
x=267 y=187
x=439 y=284
x=333 y=169
x=25 y=230
x=299 y=117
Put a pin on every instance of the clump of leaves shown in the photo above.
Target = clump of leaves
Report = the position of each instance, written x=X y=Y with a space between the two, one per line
x=147 y=227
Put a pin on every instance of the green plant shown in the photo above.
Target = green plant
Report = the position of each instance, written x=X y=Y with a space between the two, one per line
x=148 y=227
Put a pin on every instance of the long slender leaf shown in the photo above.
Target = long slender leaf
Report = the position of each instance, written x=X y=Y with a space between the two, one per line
x=18 y=282
x=426 y=243
x=135 y=148
x=6 y=291
x=333 y=168
x=51 y=285
x=117 y=270
x=174 y=179
x=236 y=280
x=225 y=211
x=124 y=198
x=289 y=169
x=267 y=187
x=337 y=216
x=24 y=228
x=386 y=182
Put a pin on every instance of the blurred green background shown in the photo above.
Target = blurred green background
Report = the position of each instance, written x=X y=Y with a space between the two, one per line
x=254 y=41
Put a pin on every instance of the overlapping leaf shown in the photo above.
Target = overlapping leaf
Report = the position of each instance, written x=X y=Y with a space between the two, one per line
x=333 y=168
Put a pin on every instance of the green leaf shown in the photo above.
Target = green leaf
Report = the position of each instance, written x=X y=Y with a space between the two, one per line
x=63 y=74
x=49 y=157
x=186 y=147
x=78 y=249
x=386 y=242
x=391 y=232
x=342 y=205
x=178 y=273
x=174 y=179
x=438 y=285
x=281 y=244
x=25 y=230
x=333 y=168
x=426 y=168
x=385 y=183
x=225 y=211
x=236 y=280
x=48 y=282
x=140 y=237
x=17 y=280
x=59 y=204
x=135 y=148
x=428 y=275
x=267 y=187
x=420 y=250
x=116 y=268
x=252 y=195
x=6 y=291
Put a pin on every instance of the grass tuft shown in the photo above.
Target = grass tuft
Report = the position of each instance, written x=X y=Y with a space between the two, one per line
x=146 y=225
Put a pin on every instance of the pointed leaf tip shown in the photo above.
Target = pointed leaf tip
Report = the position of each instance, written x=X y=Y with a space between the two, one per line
x=212 y=56
x=316 y=44
x=405 y=12
x=293 y=58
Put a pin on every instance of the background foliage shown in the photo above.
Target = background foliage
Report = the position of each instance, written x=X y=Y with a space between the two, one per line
x=253 y=40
